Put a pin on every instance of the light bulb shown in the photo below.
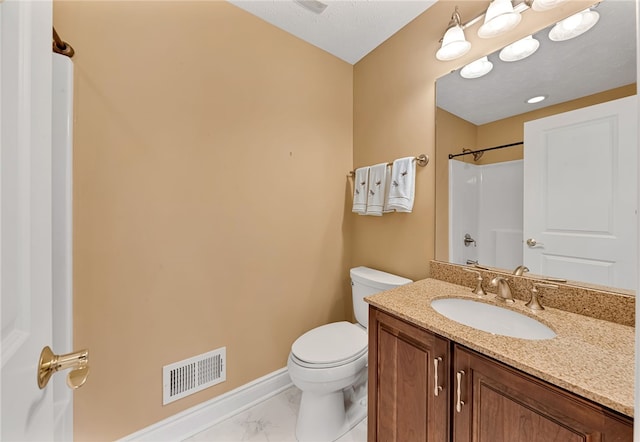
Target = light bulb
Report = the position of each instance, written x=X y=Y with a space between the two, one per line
x=477 y=68
x=454 y=44
x=520 y=49
x=499 y=18
x=574 y=25
x=545 y=5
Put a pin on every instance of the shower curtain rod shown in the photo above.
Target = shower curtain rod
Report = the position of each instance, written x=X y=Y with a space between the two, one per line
x=471 y=152
x=60 y=46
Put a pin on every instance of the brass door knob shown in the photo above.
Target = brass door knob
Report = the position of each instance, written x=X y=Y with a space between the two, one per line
x=50 y=363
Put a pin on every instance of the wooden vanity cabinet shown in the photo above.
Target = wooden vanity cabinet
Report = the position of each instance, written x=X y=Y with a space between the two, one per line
x=491 y=402
x=403 y=405
x=500 y=404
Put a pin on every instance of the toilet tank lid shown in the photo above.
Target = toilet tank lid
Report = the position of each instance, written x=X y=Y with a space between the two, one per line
x=366 y=275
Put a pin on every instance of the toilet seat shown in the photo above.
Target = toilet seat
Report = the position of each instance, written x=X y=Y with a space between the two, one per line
x=347 y=361
x=330 y=345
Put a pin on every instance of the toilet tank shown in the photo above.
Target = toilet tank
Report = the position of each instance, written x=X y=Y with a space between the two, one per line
x=366 y=282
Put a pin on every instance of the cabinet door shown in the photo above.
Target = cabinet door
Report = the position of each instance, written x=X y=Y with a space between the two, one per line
x=495 y=403
x=408 y=380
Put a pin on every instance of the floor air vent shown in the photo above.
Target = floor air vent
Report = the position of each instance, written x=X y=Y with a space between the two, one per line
x=191 y=375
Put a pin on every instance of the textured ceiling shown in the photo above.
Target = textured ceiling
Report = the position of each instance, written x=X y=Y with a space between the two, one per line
x=347 y=29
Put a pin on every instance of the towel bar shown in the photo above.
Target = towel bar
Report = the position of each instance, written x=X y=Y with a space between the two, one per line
x=422 y=160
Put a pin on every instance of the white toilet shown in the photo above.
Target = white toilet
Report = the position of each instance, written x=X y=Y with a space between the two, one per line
x=329 y=365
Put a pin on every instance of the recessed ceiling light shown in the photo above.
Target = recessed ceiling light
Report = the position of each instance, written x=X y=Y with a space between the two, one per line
x=537 y=99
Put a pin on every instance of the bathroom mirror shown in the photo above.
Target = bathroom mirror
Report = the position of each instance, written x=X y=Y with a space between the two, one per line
x=595 y=67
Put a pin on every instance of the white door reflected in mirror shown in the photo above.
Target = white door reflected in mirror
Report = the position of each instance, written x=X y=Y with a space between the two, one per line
x=580 y=194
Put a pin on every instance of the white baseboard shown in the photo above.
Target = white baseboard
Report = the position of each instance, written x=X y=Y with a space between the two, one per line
x=196 y=419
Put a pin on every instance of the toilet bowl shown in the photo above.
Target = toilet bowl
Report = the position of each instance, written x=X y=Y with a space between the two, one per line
x=329 y=365
x=322 y=415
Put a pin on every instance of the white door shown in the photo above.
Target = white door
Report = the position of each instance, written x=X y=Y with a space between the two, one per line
x=580 y=194
x=25 y=220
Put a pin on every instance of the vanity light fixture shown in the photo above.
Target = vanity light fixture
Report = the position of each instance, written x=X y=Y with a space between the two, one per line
x=454 y=43
x=520 y=49
x=502 y=16
x=499 y=18
x=545 y=5
x=537 y=99
x=573 y=26
x=477 y=68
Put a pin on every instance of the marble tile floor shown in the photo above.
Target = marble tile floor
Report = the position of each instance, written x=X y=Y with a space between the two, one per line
x=272 y=420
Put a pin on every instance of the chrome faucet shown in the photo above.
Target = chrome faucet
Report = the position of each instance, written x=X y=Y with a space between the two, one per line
x=504 y=291
x=520 y=270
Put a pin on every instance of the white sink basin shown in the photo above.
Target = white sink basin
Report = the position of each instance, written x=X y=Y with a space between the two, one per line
x=492 y=319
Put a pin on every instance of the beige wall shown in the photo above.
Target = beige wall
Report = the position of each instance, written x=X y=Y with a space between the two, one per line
x=211 y=201
x=211 y=153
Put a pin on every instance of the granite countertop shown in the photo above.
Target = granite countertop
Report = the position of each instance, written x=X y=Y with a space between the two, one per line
x=590 y=357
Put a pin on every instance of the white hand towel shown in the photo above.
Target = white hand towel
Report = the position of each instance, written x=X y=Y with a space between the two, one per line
x=403 y=183
x=360 y=189
x=377 y=186
x=386 y=208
